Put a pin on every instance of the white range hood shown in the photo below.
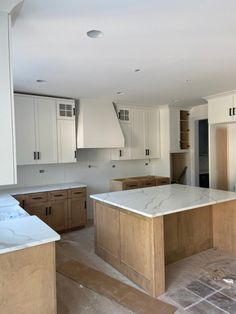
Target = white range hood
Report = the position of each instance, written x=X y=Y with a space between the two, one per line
x=98 y=125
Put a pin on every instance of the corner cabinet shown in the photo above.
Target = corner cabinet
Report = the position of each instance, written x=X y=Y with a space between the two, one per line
x=43 y=134
x=62 y=210
x=141 y=130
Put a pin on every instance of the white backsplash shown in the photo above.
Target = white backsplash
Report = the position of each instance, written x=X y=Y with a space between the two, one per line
x=97 y=177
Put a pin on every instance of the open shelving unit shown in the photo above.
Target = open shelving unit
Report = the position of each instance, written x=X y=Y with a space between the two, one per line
x=184 y=129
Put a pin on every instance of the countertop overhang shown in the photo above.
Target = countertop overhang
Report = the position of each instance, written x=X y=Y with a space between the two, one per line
x=163 y=200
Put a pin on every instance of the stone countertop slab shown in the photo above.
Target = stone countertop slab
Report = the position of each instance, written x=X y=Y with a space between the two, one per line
x=163 y=200
x=21 y=233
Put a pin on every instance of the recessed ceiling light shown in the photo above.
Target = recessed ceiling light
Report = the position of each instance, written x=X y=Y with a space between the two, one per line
x=137 y=70
x=95 y=33
x=120 y=93
x=41 y=81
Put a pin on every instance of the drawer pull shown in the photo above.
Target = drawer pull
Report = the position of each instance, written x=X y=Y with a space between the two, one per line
x=58 y=195
x=37 y=198
x=77 y=192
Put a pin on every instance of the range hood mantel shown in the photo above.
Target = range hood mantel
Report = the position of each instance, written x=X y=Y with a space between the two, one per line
x=98 y=125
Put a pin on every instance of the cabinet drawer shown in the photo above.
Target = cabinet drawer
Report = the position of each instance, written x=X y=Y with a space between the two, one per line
x=129 y=185
x=57 y=195
x=77 y=193
x=162 y=181
x=147 y=183
x=37 y=197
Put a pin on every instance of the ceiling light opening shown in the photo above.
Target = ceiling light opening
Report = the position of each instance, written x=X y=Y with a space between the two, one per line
x=41 y=81
x=95 y=33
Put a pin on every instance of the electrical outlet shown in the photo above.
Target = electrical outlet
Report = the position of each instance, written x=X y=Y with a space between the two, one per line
x=41 y=171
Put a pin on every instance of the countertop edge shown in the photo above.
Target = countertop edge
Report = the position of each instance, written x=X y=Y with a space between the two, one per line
x=163 y=213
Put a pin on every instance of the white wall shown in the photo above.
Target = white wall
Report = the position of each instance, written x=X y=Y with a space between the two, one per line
x=97 y=177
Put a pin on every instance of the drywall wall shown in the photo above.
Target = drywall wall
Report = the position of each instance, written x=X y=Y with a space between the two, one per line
x=97 y=177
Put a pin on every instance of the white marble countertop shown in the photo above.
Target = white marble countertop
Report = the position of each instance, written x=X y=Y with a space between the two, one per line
x=21 y=233
x=7 y=200
x=43 y=188
x=163 y=200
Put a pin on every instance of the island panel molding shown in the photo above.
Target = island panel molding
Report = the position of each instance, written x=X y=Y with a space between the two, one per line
x=28 y=285
x=155 y=226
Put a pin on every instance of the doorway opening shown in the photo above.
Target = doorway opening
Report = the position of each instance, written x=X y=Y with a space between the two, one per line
x=203 y=153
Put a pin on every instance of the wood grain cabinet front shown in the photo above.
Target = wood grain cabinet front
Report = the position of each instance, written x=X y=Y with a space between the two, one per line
x=77 y=207
x=62 y=210
x=39 y=209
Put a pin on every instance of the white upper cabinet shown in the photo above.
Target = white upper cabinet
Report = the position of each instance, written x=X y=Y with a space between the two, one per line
x=221 y=109
x=66 y=141
x=65 y=109
x=7 y=129
x=141 y=130
x=42 y=138
x=138 y=134
x=25 y=130
x=125 y=118
x=46 y=130
x=152 y=134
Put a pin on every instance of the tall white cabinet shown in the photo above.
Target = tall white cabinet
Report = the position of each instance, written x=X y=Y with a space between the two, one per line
x=7 y=130
x=141 y=130
x=42 y=136
x=66 y=132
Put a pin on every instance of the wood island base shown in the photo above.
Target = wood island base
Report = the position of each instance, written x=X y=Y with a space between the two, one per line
x=139 y=246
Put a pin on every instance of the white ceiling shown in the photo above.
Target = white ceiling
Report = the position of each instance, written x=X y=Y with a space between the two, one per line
x=170 y=41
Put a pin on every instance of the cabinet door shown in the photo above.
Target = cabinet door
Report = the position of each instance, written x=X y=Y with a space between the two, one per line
x=152 y=133
x=46 y=130
x=58 y=212
x=219 y=109
x=65 y=109
x=40 y=210
x=66 y=140
x=25 y=130
x=138 y=134
x=7 y=131
x=124 y=153
x=78 y=214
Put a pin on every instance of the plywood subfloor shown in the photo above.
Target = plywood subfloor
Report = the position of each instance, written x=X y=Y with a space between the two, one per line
x=194 y=284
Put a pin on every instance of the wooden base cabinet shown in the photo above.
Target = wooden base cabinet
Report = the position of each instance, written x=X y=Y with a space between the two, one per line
x=62 y=210
x=77 y=213
x=28 y=281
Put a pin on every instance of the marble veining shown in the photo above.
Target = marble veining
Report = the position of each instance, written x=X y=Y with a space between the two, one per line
x=44 y=188
x=7 y=200
x=20 y=233
x=164 y=200
x=12 y=212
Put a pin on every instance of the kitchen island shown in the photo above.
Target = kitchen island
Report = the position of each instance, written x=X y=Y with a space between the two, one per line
x=139 y=231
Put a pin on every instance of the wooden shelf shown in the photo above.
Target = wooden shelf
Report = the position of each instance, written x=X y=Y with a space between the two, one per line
x=184 y=129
